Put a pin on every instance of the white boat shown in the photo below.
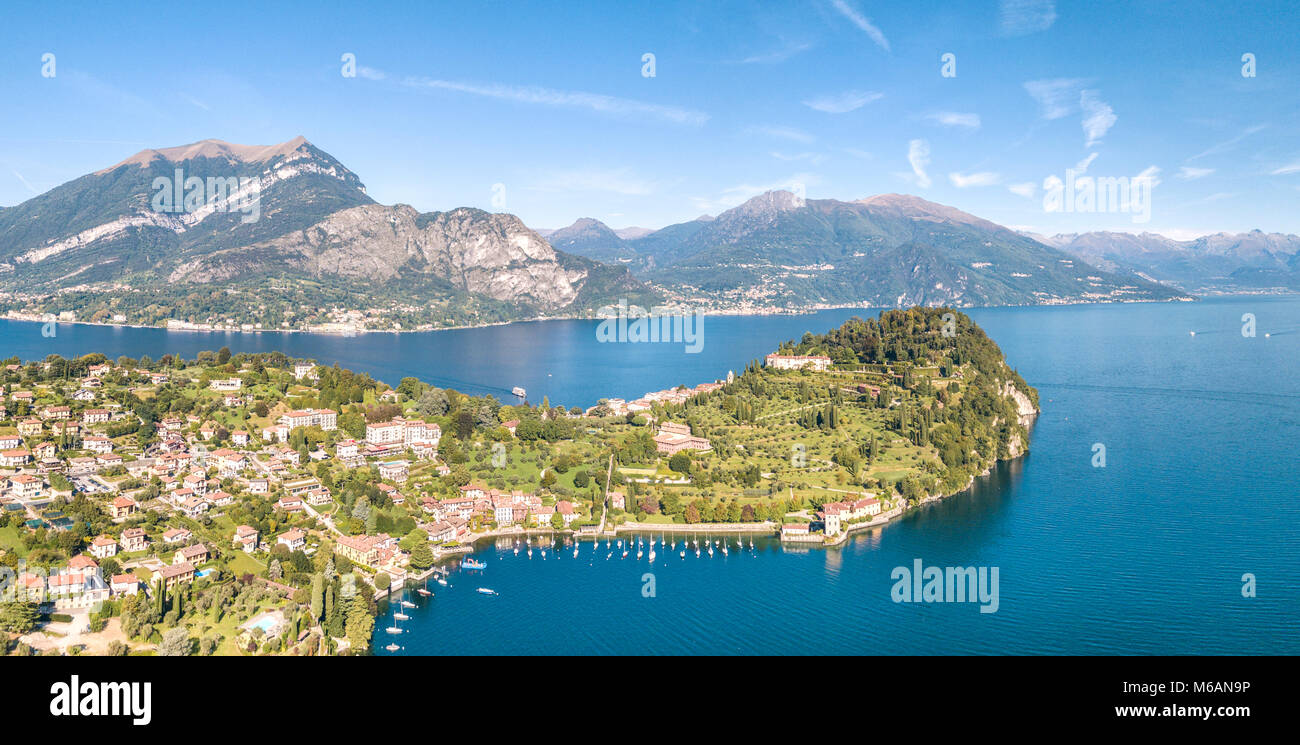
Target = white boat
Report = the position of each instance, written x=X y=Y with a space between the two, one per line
x=710 y=545
x=442 y=582
x=394 y=629
x=401 y=616
x=519 y=391
x=407 y=604
x=575 y=552
x=392 y=647
x=424 y=593
x=683 y=553
x=486 y=591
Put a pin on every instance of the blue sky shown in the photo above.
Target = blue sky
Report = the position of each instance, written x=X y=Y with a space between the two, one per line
x=844 y=98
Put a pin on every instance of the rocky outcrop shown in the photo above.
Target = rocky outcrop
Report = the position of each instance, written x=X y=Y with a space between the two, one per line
x=489 y=254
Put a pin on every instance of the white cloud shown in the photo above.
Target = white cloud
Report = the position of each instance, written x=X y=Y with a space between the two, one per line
x=1081 y=167
x=785 y=133
x=1026 y=189
x=813 y=158
x=1287 y=169
x=1020 y=17
x=1150 y=173
x=779 y=55
x=20 y=177
x=1190 y=172
x=918 y=155
x=1098 y=117
x=842 y=103
x=1230 y=143
x=964 y=180
x=862 y=22
x=955 y=119
x=1056 y=96
x=370 y=73
x=622 y=107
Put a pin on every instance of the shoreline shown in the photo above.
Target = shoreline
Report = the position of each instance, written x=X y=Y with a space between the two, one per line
x=768 y=311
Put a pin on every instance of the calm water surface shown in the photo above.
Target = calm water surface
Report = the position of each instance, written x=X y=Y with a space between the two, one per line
x=1145 y=555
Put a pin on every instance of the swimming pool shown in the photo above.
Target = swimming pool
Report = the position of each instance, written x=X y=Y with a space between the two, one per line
x=265 y=623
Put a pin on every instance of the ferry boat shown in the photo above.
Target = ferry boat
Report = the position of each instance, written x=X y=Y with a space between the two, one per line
x=486 y=591
x=519 y=391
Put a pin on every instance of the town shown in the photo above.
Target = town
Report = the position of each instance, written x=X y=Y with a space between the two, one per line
x=257 y=504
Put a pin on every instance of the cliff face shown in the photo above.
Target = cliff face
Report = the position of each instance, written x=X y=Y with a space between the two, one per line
x=490 y=254
x=1025 y=413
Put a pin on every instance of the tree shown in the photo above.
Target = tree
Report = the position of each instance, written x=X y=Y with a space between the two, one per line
x=680 y=462
x=422 y=556
x=317 y=597
x=18 y=617
x=359 y=627
x=175 y=643
x=557 y=521
x=383 y=581
x=580 y=479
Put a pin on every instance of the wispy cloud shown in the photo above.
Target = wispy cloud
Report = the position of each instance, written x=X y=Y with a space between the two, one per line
x=196 y=102
x=813 y=158
x=1286 y=170
x=842 y=103
x=20 y=177
x=955 y=119
x=965 y=180
x=1081 y=167
x=918 y=156
x=785 y=133
x=1229 y=143
x=370 y=73
x=1020 y=17
x=1026 y=189
x=614 y=106
x=862 y=22
x=1191 y=172
x=782 y=54
x=1056 y=97
x=1098 y=117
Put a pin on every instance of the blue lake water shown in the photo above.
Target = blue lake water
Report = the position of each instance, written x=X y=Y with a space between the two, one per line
x=1146 y=555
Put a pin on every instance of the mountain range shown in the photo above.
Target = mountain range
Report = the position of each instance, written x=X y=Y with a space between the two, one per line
x=285 y=236
x=282 y=236
x=778 y=250
x=1218 y=263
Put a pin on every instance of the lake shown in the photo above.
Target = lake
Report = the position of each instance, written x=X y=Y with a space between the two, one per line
x=1145 y=555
